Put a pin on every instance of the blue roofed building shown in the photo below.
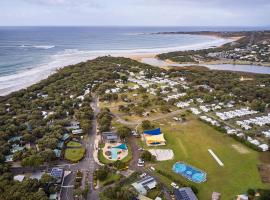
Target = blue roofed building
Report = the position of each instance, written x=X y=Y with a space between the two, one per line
x=184 y=193
x=58 y=174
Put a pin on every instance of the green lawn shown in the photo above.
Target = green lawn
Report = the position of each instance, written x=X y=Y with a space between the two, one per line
x=73 y=144
x=74 y=154
x=190 y=142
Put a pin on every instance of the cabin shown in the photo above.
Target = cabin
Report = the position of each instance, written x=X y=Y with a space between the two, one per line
x=144 y=185
x=109 y=137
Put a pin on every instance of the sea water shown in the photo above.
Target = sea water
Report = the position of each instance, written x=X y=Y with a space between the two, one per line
x=29 y=54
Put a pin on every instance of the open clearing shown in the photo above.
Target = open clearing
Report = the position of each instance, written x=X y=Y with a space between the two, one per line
x=190 y=144
x=162 y=154
x=240 y=148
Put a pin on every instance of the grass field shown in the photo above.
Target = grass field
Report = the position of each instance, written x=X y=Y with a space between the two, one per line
x=73 y=144
x=74 y=154
x=190 y=142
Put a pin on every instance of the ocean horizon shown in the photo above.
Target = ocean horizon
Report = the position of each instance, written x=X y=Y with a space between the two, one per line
x=29 y=54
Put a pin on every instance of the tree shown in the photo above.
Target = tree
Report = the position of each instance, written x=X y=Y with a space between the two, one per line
x=251 y=193
x=46 y=178
x=123 y=132
x=147 y=156
x=102 y=173
x=146 y=125
x=257 y=105
x=32 y=161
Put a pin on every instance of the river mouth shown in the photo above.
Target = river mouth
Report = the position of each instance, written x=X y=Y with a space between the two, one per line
x=225 y=67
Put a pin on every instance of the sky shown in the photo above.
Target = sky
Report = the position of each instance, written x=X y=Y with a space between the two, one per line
x=135 y=12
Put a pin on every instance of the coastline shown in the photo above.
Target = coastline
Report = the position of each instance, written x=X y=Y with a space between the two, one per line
x=24 y=79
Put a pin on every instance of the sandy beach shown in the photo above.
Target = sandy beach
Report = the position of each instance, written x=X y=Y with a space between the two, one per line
x=24 y=79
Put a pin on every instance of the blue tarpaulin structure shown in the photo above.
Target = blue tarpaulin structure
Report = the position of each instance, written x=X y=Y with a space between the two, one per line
x=121 y=146
x=152 y=132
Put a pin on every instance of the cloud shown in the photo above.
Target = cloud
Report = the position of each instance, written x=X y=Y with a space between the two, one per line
x=136 y=12
x=64 y=2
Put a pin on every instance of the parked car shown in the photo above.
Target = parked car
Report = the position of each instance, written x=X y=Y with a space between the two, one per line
x=140 y=149
x=152 y=168
x=143 y=175
x=140 y=165
x=141 y=161
x=174 y=185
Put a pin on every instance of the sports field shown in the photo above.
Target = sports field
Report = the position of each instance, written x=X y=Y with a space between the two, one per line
x=190 y=142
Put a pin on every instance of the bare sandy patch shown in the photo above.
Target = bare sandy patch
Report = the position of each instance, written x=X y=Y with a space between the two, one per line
x=240 y=149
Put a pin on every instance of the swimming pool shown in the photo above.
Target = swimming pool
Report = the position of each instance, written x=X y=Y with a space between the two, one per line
x=189 y=172
x=114 y=154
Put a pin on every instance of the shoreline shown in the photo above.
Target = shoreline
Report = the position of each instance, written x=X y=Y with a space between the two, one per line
x=26 y=78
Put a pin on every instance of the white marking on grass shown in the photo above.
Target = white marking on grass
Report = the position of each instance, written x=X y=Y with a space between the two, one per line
x=215 y=157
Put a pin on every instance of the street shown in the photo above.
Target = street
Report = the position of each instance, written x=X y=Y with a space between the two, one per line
x=87 y=165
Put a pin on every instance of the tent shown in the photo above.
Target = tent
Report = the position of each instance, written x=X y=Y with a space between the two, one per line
x=152 y=132
x=155 y=140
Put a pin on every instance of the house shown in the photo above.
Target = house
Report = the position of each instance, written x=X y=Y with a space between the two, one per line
x=9 y=158
x=144 y=185
x=184 y=193
x=109 y=137
x=57 y=153
x=15 y=139
x=19 y=178
x=58 y=174
x=65 y=137
x=77 y=131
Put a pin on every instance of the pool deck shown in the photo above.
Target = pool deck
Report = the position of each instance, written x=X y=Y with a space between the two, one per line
x=121 y=155
x=215 y=157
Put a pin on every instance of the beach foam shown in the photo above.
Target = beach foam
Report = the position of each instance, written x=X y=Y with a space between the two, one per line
x=37 y=46
x=23 y=79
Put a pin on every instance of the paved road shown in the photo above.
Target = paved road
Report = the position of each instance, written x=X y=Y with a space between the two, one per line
x=163 y=116
x=87 y=165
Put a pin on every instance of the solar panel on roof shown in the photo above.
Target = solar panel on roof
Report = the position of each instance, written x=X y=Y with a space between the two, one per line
x=56 y=172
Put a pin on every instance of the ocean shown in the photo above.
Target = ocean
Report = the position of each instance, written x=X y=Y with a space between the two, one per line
x=29 y=54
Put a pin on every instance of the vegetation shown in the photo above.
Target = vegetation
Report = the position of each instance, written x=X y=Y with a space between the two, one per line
x=147 y=156
x=74 y=154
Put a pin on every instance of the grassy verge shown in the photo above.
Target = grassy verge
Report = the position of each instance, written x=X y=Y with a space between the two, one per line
x=74 y=154
x=73 y=144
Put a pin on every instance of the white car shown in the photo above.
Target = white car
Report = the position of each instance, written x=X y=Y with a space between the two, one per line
x=141 y=161
x=152 y=168
x=143 y=175
x=140 y=165
x=174 y=185
x=140 y=149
